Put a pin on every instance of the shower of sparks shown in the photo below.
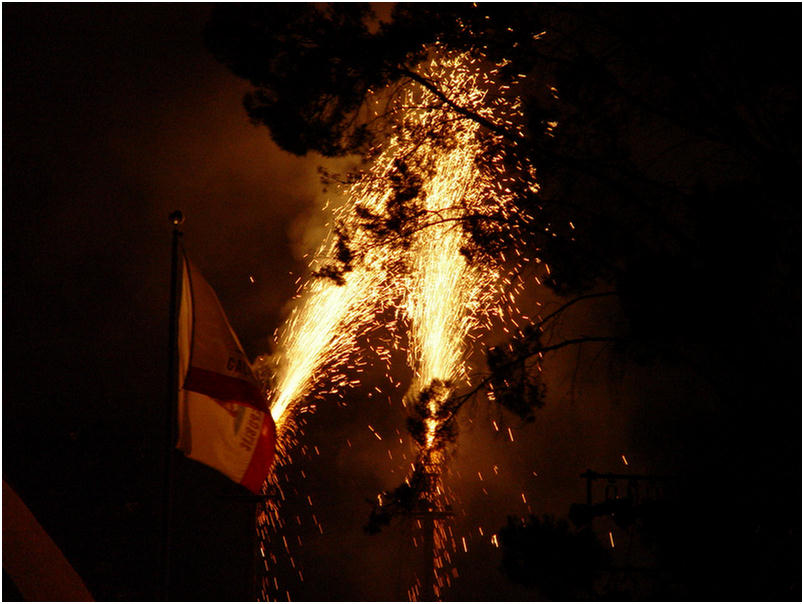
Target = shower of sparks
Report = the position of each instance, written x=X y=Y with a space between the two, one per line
x=315 y=347
x=428 y=282
x=321 y=331
x=448 y=299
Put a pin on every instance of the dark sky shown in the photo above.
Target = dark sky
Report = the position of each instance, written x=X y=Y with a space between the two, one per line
x=115 y=115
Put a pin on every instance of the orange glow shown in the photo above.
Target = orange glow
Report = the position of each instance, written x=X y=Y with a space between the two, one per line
x=429 y=286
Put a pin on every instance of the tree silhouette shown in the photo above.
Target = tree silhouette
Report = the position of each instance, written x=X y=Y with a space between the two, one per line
x=615 y=109
x=667 y=143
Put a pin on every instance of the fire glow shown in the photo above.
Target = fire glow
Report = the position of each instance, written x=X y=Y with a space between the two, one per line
x=429 y=284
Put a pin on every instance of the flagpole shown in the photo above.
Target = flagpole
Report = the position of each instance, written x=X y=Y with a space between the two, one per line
x=176 y=219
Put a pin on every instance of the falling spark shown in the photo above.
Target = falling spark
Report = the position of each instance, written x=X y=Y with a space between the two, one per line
x=443 y=297
x=447 y=297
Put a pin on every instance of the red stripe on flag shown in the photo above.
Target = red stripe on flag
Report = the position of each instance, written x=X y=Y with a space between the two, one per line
x=262 y=458
x=224 y=388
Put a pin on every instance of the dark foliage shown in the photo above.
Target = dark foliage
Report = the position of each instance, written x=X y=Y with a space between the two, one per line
x=444 y=414
x=545 y=553
x=411 y=497
x=516 y=385
x=311 y=68
x=401 y=209
x=669 y=154
x=647 y=130
x=343 y=261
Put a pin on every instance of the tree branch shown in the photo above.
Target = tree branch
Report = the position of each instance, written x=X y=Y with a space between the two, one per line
x=565 y=306
x=458 y=108
x=463 y=398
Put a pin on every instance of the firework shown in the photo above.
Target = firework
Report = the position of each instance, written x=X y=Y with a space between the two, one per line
x=449 y=292
x=404 y=246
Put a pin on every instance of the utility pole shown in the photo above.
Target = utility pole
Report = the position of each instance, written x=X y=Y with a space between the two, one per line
x=426 y=517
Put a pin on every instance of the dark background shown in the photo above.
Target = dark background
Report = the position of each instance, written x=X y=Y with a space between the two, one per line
x=115 y=115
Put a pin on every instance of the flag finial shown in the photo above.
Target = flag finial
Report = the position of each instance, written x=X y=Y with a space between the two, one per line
x=176 y=217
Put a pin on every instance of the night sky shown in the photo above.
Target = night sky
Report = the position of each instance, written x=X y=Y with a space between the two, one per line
x=115 y=115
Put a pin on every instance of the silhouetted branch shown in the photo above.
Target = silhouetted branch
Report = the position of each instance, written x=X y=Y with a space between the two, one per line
x=564 y=307
x=520 y=359
x=458 y=108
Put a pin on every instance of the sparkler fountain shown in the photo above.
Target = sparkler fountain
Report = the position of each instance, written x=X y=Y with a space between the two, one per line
x=316 y=342
x=448 y=298
x=407 y=216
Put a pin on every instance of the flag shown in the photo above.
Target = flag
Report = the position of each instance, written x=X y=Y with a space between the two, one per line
x=224 y=421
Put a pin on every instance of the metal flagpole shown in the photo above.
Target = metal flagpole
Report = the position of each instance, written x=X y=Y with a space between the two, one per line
x=176 y=219
x=259 y=501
